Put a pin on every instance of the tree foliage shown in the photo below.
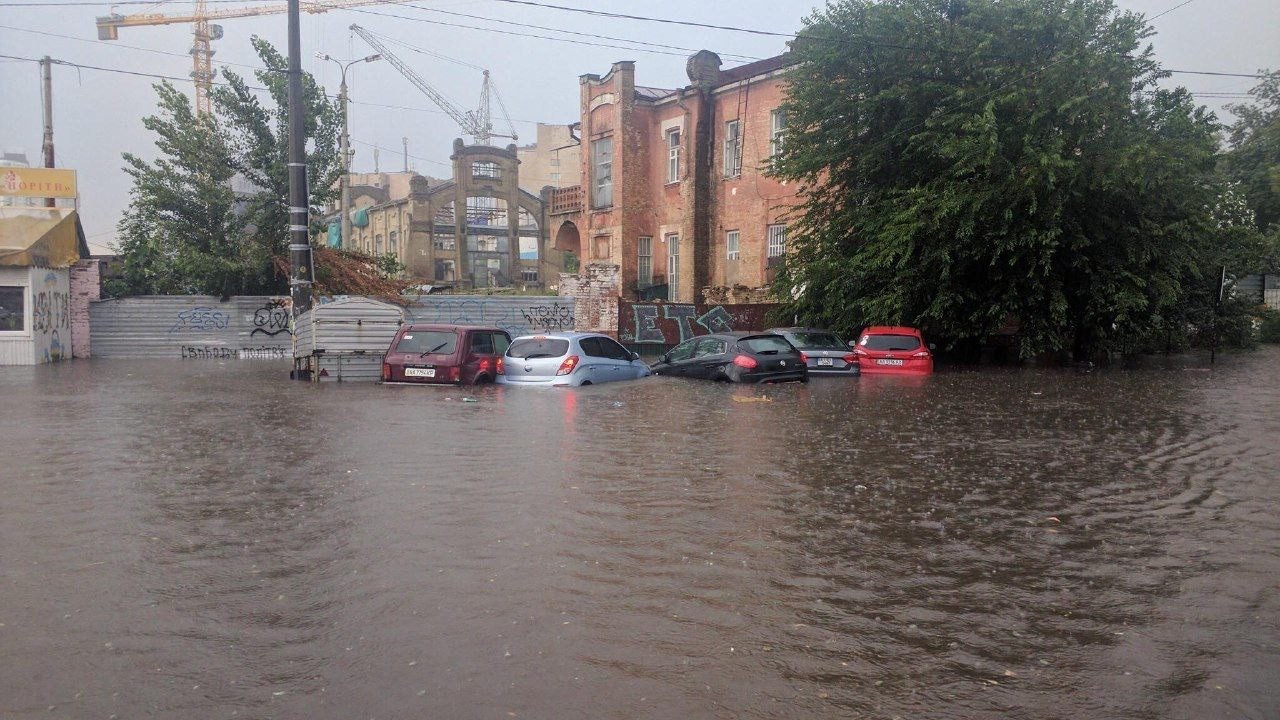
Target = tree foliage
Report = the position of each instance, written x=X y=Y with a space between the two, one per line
x=187 y=230
x=969 y=166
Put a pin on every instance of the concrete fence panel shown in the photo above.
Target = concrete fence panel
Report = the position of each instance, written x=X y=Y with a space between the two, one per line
x=192 y=327
x=517 y=314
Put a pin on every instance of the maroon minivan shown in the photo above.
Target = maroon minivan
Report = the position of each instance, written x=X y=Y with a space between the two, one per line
x=445 y=355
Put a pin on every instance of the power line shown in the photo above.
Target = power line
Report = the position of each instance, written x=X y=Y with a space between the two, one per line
x=1255 y=76
x=129 y=47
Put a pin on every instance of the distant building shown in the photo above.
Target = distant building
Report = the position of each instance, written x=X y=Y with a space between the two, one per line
x=676 y=192
x=554 y=160
x=475 y=230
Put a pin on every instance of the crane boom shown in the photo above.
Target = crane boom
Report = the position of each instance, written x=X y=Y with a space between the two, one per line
x=205 y=32
x=476 y=123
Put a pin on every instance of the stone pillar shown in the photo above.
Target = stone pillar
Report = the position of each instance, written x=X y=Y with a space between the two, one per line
x=86 y=286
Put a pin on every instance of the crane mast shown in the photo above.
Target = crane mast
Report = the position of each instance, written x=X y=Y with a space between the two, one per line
x=477 y=123
x=205 y=32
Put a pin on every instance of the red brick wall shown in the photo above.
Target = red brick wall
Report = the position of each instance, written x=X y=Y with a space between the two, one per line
x=669 y=324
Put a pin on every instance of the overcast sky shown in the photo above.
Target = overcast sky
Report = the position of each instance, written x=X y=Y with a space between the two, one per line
x=97 y=114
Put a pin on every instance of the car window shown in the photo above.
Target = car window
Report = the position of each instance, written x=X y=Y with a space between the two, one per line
x=482 y=343
x=889 y=342
x=501 y=341
x=681 y=352
x=613 y=350
x=709 y=346
x=766 y=344
x=815 y=340
x=591 y=346
x=538 y=347
x=441 y=342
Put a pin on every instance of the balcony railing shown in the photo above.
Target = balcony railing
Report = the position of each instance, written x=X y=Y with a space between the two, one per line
x=566 y=200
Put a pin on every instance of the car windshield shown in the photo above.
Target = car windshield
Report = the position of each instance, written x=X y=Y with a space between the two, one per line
x=766 y=345
x=532 y=348
x=426 y=342
x=890 y=342
x=815 y=340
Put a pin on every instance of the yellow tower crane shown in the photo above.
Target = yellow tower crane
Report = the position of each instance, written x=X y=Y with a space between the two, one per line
x=205 y=31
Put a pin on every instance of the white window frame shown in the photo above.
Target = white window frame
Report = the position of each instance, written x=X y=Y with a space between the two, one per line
x=644 y=260
x=777 y=132
x=777 y=240
x=24 y=287
x=732 y=240
x=673 y=265
x=732 y=149
x=393 y=242
x=602 y=173
x=673 y=155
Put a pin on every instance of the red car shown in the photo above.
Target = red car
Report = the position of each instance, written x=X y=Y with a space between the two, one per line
x=883 y=349
x=445 y=355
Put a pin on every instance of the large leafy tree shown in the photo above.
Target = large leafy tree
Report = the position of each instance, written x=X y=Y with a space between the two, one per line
x=1253 y=161
x=210 y=214
x=973 y=165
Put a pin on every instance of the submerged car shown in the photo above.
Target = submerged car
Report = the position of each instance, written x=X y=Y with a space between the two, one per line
x=886 y=349
x=742 y=357
x=445 y=355
x=824 y=352
x=569 y=359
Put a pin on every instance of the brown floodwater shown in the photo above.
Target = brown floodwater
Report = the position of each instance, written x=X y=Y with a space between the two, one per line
x=210 y=540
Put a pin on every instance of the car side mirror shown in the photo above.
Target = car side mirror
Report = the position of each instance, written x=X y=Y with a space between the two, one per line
x=853 y=343
x=635 y=355
x=932 y=346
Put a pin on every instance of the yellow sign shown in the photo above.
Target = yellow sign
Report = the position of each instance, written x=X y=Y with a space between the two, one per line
x=37 y=182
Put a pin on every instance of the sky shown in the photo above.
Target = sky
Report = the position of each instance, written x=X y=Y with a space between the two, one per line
x=98 y=114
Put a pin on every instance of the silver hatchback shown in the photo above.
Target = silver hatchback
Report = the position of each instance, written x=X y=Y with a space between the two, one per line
x=568 y=359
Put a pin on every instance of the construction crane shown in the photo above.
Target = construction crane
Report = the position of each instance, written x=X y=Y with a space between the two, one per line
x=206 y=31
x=477 y=123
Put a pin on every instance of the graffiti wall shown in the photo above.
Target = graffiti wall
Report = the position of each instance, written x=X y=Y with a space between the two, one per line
x=51 y=314
x=192 y=328
x=517 y=314
x=672 y=323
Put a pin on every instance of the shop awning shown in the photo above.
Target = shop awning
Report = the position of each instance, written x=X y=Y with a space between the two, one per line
x=41 y=237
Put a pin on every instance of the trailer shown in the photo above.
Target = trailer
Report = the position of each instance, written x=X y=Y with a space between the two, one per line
x=344 y=340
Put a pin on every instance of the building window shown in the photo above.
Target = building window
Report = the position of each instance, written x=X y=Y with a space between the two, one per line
x=731 y=243
x=555 y=176
x=602 y=173
x=488 y=170
x=377 y=244
x=392 y=242
x=600 y=247
x=673 y=265
x=444 y=242
x=445 y=271
x=673 y=155
x=13 y=308
x=555 y=162
x=778 y=132
x=529 y=274
x=777 y=240
x=732 y=149
x=644 y=261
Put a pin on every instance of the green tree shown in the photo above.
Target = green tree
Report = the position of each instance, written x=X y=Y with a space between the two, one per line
x=187 y=230
x=1253 y=160
x=180 y=233
x=970 y=165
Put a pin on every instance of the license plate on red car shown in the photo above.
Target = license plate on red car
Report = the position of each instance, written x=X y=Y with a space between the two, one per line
x=420 y=372
x=888 y=362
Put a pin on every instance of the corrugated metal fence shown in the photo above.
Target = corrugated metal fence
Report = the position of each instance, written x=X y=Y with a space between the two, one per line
x=197 y=327
x=191 y=327
x=517 y=314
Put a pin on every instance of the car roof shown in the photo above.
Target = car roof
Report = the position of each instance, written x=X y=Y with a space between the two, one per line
x=562 y=335
x=800 y=329
x=421 y=327
x=890 y=330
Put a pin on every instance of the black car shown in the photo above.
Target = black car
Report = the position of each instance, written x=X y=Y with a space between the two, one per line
x=735 y=357
x=825 y=353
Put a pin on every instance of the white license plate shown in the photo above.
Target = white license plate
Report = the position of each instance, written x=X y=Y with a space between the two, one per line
x=888 y=362
x=420 y=372
x=825 y=362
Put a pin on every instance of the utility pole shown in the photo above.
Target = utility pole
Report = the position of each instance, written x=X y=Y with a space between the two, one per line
x=406 y=154
x=344 y=183
x=46 y=94
x=299 y=244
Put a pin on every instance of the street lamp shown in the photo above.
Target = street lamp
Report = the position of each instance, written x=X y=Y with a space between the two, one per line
x=344 y=183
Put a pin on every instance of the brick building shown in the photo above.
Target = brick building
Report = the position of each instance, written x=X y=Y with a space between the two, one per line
x=554 y=159
x=676 y=193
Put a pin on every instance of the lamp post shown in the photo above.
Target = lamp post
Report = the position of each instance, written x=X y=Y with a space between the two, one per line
x=344 y=183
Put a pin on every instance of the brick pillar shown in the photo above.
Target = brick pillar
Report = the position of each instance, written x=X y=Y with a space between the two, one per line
x=595 y=297
x=86 y=285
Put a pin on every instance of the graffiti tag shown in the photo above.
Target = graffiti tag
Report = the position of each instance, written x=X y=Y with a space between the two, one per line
x=201 y=318
x=271 y=319
x=548 y=317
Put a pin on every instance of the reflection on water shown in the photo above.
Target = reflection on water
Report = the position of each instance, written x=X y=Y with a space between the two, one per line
x=196 y=541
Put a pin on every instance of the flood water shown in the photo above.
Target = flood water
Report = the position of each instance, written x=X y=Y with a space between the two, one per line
x=209 y=540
